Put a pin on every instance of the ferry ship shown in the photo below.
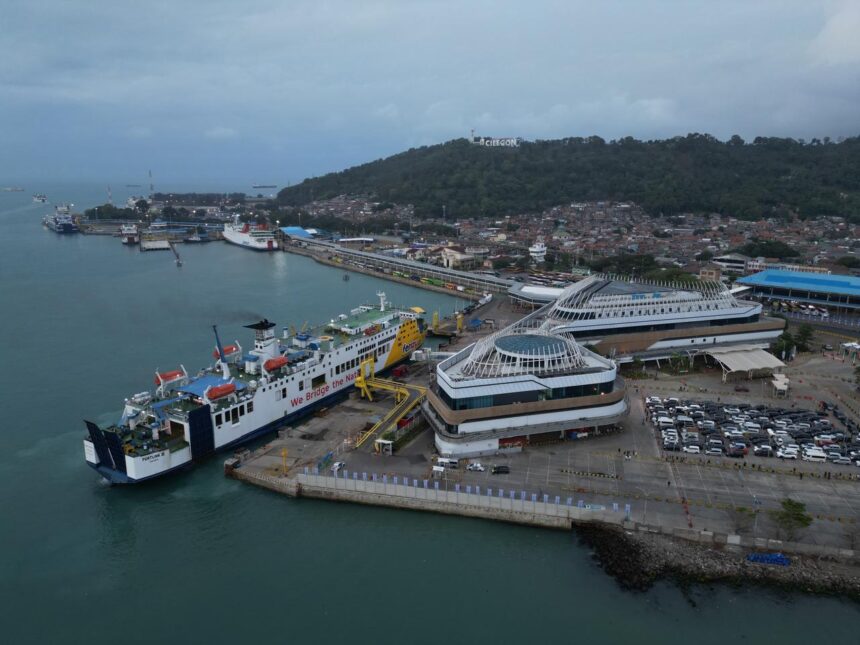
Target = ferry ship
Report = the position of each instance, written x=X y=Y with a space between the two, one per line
x=61 y=220
x=129 y=234
x=258 y=238
x=245 y=394
x=40 y=198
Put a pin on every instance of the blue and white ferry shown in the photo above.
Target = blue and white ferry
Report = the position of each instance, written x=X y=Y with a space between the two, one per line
x=245 y=394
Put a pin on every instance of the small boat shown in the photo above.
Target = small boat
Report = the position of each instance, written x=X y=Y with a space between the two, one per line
x=40 y=198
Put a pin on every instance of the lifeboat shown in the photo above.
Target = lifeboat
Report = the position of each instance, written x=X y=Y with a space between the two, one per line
x=274 y=363
x=168 y=377
x=370 y=331
x=228 y=349
x=219 y=391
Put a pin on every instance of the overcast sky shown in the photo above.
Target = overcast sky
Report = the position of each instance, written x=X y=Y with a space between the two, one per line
x=205 y=91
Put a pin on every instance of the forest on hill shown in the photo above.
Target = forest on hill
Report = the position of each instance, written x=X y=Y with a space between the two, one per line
x=695 y=173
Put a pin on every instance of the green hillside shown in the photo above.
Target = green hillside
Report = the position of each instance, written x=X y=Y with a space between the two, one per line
x=692 y=173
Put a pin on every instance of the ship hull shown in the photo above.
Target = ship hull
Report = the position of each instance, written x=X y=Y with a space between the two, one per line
x=246 y=241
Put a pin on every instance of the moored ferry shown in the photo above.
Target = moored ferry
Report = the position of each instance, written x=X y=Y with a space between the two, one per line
x=61 y=220
x=129 y=234
x=259 y=237
x=245 y=394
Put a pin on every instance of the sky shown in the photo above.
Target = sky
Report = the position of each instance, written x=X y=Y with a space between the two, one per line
x=210 y=92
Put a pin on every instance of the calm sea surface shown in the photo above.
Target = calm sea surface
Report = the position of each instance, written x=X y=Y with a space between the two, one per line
x=85 y=321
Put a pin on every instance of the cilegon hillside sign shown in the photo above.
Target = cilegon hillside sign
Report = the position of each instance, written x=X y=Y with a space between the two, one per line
x=497 y=142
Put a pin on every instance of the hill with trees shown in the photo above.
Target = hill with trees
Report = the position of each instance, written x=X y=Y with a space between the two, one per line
x=695 y=173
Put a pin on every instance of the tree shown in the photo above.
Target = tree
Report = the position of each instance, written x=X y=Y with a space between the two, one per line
x=676 y=361
x=782 y=346
x=792 y=518
x=803 y=337
x=849 y=261
x=705 y=256
x=142 y=206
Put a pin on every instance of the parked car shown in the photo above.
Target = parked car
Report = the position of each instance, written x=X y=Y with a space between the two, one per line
x=500 y=470
x=741 y=388
x=692 y=450
x=784 y=453
x=338 y=466
x=713 y=451
x=476 y=467
x=763 y=451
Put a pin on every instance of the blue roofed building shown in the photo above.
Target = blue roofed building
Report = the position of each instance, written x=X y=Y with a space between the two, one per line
x=839 y=292
x=297 y=233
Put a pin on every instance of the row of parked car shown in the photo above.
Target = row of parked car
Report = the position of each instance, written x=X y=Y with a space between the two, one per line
x=737 y=430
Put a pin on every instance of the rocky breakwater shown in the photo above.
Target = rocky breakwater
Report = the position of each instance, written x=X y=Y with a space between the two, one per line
x=637 y=560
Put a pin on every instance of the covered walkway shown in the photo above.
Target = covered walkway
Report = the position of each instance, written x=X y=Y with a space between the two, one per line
x=745 y=358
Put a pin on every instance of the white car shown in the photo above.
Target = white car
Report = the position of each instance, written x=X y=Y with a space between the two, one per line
x=786 y=454
x=338 y=466
x=476 y=467
x=691 y=450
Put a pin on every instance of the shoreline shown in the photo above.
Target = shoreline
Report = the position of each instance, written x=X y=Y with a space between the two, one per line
x=639 y=560
x=286 y=248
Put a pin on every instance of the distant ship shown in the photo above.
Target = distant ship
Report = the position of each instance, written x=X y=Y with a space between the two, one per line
x=61 y=220
x=12 y=189
x=132 y=185
x=258 y=238
x=40 y=198
x=249 y=392
x=264 y=186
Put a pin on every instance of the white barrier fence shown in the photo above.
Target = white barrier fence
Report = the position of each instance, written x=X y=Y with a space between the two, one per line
x=466 y=495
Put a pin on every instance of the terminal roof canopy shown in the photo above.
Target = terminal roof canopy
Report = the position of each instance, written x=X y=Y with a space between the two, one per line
x=802 y=281
x=745 y=358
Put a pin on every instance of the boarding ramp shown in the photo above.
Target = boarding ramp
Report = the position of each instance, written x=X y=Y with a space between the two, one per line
x=406 y=398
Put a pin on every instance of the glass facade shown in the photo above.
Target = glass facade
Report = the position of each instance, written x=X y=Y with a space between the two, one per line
x=488 y=401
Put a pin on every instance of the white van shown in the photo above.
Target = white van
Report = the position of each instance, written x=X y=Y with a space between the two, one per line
x=814 y=455
x=665 y=423
x=444 y=462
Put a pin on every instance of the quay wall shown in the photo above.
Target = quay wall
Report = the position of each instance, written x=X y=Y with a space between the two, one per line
x=486 y=504
x=298 y=250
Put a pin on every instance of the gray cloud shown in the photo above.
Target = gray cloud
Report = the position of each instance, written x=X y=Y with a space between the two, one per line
x=303 y=87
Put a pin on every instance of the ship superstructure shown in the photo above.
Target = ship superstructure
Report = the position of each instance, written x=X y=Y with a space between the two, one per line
x=621 y=317
x=257 y=237
x=247 y=393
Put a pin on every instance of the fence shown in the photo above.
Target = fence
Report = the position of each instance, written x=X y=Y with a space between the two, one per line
x=463 y=499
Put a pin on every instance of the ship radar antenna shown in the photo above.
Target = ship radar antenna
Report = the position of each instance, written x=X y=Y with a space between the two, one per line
x=381 y=296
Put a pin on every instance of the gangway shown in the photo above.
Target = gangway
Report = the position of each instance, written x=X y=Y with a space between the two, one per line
x=406 y=397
